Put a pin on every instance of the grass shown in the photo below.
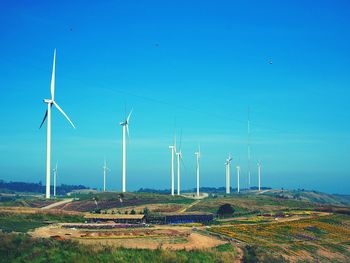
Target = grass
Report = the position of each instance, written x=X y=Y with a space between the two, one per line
x=251 y=204
x=22 y=248
x=329 y=233
x=25 y=222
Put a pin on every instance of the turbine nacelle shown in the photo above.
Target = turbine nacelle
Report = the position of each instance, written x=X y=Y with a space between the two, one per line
x=48 y=101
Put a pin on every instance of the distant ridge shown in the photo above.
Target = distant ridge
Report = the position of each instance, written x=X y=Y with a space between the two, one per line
x=11 y=187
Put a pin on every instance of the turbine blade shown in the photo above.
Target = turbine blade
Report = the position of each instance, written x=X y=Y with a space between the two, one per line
x=53 y=76
x=64 y=114
x=127 y=119
x=43 y=120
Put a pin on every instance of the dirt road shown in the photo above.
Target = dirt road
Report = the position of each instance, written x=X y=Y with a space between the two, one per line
x=183 y=210
x=66 y=201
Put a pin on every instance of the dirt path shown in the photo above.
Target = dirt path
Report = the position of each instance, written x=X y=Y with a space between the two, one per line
x=183 y=210
x=195 y=241
x=63 y=202
x=240 y=254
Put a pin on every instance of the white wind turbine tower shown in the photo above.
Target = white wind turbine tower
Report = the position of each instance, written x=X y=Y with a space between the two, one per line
x=259 y=173
x=228 y=173
x=47 y=116
x=173 y=152
x=198 y=156
x=238 y=174
x=178 y=156
x=179 y=160
x=125 y=125
x=105 y=169
x=248 y=148
x=54 y=180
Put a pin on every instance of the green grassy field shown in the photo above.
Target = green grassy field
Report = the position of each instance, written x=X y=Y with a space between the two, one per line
x=22 y=248
x=318 y=239
x=10 y=222
x=252 y=204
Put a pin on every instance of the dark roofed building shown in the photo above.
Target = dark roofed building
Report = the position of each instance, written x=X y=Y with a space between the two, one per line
x=181 y=218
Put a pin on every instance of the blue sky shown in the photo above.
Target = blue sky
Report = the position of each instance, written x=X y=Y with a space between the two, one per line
x=199 y=64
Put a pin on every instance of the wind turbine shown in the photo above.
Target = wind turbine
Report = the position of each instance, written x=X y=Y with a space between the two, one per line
x=47 y=116
x=228 y=173
x=179 y=160
x=248 y=148
x=125 y=125
x=179 y=156
x=105 y=169
x=259 y=173
x=54 y=180
x=173 y=152
x=238 y=174
x=198 y=156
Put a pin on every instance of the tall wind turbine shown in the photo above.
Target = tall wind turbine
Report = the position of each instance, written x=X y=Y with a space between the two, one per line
x=125 y=125
x=179 y=158
x=54 y=180
x=259 y=173
x=198 y=156
x=238 y=174
x=228 y=174
x=47 y=116
x=105 y=169
x=248 y=129
x=173 y=152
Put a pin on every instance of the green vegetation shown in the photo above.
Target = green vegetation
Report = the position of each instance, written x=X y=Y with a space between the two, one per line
x=22 y=248
x=25 y=222
x=225 y=248
x=225 y=210
x=321 y=238
x=253 y=254
x=251 y=204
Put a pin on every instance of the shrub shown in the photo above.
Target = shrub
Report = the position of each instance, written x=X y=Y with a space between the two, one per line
x=225 y=210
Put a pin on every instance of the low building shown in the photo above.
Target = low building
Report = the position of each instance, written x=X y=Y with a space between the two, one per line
x=181 y=218
x=116 y=218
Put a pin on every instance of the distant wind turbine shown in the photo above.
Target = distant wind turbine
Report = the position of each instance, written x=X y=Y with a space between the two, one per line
x=47 y=116
x=105 y=169
x=228 y=174
x=259 y=173
x=238 y=174
x=125 y=125
x=179 y=160
x=54 y=180
x=198 y=156
x=248 y=146
x=173 y=152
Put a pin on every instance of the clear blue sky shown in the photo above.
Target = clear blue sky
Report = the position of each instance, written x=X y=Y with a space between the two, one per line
x=203 y=63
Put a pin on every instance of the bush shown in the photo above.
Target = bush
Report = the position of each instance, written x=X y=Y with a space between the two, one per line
x=225 y=210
